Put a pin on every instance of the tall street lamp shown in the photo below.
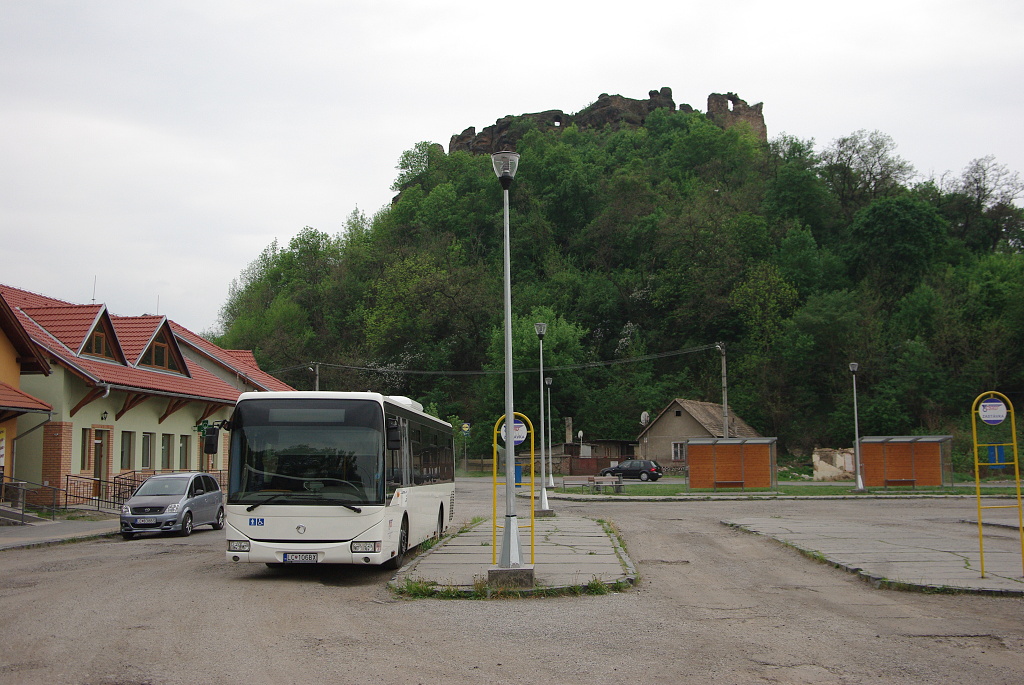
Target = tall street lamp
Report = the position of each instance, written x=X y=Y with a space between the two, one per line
x=505 y=166
x=856 y=430
x=541 y=329
x=551 y=444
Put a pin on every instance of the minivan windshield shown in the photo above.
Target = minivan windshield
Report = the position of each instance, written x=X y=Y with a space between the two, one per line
x=155 y=487
x=307 y=451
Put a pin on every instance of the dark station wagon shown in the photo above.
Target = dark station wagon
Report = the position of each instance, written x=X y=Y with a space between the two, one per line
x=644 y=469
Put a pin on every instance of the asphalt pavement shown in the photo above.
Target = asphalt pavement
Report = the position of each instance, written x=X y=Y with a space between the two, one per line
x=572 y=550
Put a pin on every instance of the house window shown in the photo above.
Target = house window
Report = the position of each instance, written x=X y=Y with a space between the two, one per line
x=679 y=412
x=86 y=449
x=147 y=450
x=679 y=451
x=165 y=450
x=160 y=355
x=127 y=449
x=98 y=344
x=183 y=457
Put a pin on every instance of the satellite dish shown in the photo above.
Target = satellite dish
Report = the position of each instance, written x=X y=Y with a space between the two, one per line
x=645 y=418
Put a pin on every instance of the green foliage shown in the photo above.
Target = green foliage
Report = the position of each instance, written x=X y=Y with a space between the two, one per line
x=636 y=242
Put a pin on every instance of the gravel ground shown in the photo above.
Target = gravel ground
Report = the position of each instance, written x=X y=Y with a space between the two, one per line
x=713 y=605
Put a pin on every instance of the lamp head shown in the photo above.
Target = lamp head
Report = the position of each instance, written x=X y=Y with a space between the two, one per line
x=547 y=381
x=505 y=166
x=541 y=329
x=853 y=367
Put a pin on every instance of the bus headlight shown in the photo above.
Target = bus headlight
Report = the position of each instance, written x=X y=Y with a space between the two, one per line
x=363 y=547
x=238 y=545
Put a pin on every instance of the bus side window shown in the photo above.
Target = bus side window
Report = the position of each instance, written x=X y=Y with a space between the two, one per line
x=392 y=455
x=394 y=435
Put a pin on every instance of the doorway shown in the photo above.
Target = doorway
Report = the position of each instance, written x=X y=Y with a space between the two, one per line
x=100 y=450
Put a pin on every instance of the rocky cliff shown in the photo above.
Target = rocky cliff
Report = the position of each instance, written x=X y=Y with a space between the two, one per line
x=609 y=110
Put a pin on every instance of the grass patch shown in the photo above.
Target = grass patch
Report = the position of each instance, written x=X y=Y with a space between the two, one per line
x=791 y=489
x=412 y=588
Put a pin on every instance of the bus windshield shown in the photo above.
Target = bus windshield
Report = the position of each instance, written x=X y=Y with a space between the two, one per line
x=307 y=451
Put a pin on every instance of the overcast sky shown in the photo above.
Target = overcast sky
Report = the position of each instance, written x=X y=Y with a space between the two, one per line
x=150 y=150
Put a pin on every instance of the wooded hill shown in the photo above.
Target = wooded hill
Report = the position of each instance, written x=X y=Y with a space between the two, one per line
x=638 y=245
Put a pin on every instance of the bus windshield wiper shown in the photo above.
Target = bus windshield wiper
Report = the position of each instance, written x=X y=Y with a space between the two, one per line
x=269 y=499
x=350 y=506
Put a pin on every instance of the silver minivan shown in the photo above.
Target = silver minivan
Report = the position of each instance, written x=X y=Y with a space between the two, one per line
x=173 y=502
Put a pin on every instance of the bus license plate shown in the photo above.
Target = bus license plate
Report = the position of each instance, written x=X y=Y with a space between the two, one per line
x=140 y=522
x=300 y=557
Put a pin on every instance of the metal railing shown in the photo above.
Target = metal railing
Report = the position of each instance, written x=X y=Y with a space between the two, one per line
x=20 y=495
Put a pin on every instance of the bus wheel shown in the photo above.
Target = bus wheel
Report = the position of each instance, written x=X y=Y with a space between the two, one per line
x=403 y=547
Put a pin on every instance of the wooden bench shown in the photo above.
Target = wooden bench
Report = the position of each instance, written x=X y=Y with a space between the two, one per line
x=729 y=484
x=912 y=482
x=611 y=481
x=573 y=481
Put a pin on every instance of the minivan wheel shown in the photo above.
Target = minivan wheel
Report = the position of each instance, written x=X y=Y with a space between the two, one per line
x=219 y=523
x=644 y=475
x=186 y=525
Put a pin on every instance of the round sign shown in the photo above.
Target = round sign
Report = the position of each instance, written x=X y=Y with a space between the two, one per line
x=518 y=434
x=992 y=411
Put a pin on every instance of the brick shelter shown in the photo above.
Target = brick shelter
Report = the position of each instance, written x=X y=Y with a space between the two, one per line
x=717 y=463
x=906 y=460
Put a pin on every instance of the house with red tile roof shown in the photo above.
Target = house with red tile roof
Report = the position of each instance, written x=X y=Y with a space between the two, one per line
x=123 y=393
x=18 y=357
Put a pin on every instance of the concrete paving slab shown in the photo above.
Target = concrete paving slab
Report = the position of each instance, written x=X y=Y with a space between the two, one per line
x=942 y=558
x=567 y=551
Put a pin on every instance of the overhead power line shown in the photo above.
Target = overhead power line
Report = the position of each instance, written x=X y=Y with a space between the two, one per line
x=564 y=367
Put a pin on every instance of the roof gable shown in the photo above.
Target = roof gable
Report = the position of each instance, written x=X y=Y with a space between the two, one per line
x=136 y=333
x=709 y=416
x=30 y=360
x=70 y=324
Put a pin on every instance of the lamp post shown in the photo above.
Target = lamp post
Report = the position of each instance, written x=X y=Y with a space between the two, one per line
x=541 y=329
x=505 y=166
x=856 y=430
x=551 y=444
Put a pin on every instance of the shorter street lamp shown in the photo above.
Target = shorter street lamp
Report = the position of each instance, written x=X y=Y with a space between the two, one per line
x=541 y=329
x=856 y=430
x=551 y=444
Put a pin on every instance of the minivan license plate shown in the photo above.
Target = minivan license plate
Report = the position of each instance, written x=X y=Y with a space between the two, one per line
x=300 y=557
x=140 y=522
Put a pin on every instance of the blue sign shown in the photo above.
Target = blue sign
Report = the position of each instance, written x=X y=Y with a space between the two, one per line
x=996 y=457
x=255 y=522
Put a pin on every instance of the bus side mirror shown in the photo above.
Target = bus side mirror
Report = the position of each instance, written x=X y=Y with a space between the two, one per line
x=211 y=440
x=394 y=435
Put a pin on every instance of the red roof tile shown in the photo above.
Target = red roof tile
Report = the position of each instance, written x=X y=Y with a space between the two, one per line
x=135 y=333
x=53 y=324
x=68 y=323
x=12 y=398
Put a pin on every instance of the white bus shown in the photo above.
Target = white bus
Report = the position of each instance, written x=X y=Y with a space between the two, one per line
x=335 y=478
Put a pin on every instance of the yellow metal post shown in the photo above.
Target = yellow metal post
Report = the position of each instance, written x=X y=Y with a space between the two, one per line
x=975 y=412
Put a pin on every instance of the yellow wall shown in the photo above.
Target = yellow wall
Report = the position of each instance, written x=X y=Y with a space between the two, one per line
x=10 y=370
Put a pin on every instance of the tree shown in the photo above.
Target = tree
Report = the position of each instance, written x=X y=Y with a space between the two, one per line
x=894 y=241
x=863 y=167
